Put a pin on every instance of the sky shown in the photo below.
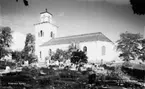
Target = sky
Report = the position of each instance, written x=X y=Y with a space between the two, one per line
x=111 y=17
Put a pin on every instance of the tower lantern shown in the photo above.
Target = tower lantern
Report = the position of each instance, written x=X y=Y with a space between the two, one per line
x=46 y=16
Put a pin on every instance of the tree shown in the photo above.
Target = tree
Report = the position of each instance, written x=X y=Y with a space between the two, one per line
x=73 y=54
x=71 y=49
x=25 y=2
x=60 y=55
x=128 y=44
x=141 y=50
x=5 y=41
x=17 y=56
x=78 y=57
x=29 y=49
x=138 y=6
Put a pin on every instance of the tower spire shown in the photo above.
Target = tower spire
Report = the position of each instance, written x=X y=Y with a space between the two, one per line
x=46 y=9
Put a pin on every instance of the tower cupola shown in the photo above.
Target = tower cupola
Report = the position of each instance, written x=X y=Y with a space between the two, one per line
x=46 y=16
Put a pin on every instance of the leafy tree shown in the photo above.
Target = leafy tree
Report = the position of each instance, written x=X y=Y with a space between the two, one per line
x=25 y=2
x=141 y=50
x=32 y=58
x=78 y=57
x=138 y=6
x=29 y=44
x=5 y=41
x=17 y=56
x=71 y=49
x=29 y=49
x=128 y=44
x=60 y=55
x=73 y=54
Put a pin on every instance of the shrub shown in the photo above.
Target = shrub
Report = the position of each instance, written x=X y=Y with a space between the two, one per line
x=18 y=80
x=43 y=81
x=78 y=57
x=33 y=72
x=87 y=71
x=108 y=67
x=3 y=64
x=72 y=75
x=136 y=73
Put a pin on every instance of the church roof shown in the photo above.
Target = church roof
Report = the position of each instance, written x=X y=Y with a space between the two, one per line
x=77 y=39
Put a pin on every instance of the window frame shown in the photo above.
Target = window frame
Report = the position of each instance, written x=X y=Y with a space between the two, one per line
x=103 y=48
x=85 y=49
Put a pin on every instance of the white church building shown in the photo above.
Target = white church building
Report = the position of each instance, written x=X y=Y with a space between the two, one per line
x=99 y=47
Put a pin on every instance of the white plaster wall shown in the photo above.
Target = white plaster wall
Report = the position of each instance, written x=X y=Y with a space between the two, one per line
x=45 y=50
x=110 y=53
x=46 y=28
x=94 y=51
x=91 y=50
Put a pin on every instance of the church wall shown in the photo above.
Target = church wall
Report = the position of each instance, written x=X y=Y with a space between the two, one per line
x=45 y=50
x=109 y=53
x=91 y=50
x=46 y=29
x=94 y=51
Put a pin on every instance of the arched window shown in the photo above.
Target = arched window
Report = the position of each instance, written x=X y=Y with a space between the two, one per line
x=85 y=49
x=49 y=52
x=103 y=50
x=51 y=34
x=40 y=54
x=41 y=33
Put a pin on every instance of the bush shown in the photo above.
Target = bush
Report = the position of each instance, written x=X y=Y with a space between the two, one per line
x=50 y=72
x=68 y=74
x=108 y=67
x=33 y=72
x=79 y=57
x=136 y=73
x=17 y=79
x=43 y=81
x=3 y=64
x=87 y=71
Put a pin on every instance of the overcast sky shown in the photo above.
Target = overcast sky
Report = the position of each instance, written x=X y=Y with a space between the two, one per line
x=111 y=17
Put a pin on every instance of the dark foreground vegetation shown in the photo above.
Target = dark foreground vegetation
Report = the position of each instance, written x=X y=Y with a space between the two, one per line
x=44 y=78
x=137 y=72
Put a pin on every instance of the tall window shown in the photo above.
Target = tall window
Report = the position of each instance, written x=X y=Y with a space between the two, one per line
x=85 y=49
x=49 y=52
x=51 y=34
x=40 y=54
x=41 y=33
x=103 y=50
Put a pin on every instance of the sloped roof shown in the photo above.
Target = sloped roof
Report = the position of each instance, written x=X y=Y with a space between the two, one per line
x=77 y=39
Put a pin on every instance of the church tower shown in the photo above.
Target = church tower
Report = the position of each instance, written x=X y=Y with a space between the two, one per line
x=44 y=31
